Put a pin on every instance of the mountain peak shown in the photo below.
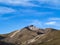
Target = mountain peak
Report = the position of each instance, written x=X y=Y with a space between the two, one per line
x=32 y=27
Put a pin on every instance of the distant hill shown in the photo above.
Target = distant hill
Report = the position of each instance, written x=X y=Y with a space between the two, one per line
x=31 y=35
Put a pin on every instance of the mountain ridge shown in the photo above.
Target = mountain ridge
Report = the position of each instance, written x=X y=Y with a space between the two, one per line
x=30 y=35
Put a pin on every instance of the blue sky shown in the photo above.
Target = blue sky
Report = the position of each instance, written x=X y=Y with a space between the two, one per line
x=16 y=14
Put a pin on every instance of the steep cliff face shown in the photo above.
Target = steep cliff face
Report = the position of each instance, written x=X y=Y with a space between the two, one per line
x=30 y=35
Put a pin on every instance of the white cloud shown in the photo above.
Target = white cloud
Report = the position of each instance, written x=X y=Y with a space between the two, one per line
x=54 y=18
x=55 y=4
x=5 y=10
x=51 y=2
x=18 y=2
x=50 y=23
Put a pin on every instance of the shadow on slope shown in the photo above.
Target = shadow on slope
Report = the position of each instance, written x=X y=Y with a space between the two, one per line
x=5 y=43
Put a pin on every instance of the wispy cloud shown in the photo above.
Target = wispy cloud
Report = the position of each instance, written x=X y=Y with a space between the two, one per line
x=20 y=12
x=31 y=12
x=53 y=22
x=54 y=4
x=7 y=18
x=37 y=23
x=51 y=2
x=5 y=10
x=54 y=18
x=44 y=24
x=18 y=2
x=50 y=23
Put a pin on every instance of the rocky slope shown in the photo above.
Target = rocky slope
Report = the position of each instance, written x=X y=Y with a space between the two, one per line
x=31 y=35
